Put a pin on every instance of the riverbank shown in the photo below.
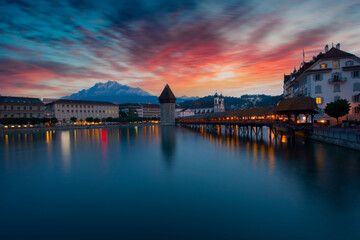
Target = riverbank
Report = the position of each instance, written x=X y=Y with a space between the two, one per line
x=348 y=138
x=67 y=127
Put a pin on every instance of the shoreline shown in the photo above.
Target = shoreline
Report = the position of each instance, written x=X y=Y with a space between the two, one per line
x=68 y=127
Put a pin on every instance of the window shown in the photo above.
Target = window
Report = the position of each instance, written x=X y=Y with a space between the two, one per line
x=5 y=115
x=318 y=77
x=336 y=64
x=30 y=107
x=356 y=86
x=349 y=63
x=12 y=107
x=24 y=107
x=324 y=65
x=337 y=88
x=31 y=115
x=355 y=74
x=318 y=100
x=336 y=98
x=336 y=77
x=18 y=108
x=356 y=110
x=356 y=98
x=5 y=107
x=318 y=89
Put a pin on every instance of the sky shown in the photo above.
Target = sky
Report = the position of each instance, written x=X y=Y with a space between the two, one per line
x=55 y=48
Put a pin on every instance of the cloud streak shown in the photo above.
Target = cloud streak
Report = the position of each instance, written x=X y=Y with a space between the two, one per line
x=197 y=46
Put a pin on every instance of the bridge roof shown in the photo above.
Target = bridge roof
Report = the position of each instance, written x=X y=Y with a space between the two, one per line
x=236 y=113
x=297 y=105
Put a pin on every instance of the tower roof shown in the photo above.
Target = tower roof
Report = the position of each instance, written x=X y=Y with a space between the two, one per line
x=167 y=96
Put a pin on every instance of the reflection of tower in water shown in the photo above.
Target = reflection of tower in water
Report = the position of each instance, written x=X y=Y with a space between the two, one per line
x=168 y=144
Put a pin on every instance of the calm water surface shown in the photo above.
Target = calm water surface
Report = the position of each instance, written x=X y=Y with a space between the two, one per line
x=174 y=183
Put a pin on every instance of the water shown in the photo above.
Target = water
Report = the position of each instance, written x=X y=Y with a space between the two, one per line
x=174 y=183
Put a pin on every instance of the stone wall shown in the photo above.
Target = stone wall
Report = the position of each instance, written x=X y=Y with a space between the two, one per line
x=167 y=114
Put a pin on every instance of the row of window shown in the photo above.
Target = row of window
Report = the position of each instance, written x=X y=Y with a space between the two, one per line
x=21 y=107
x=336 y=76
x=21 y=115
x=85 y=106
x=100 y=111
x=356 y=87
x=336 y=64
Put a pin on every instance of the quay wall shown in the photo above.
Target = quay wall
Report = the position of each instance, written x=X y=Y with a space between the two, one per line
x=348 y=138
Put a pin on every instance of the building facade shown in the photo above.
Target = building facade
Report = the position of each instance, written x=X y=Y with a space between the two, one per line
x=151 y=110
x=21 y=107
x=167 y=101
x=65 y=109
x=327 y=77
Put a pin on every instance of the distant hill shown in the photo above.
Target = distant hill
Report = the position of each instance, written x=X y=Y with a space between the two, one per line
x=112 y=91
x=243 y=102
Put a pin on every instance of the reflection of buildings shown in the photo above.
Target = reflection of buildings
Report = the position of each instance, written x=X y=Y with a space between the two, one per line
x=168 y=143
x=21 y=107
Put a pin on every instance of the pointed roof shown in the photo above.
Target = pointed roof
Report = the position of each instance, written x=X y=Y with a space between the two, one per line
x=167 y=96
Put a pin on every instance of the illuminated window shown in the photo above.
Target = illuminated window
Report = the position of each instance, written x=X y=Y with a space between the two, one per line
x=336 y=64
x=324 y=65
x=318 y=100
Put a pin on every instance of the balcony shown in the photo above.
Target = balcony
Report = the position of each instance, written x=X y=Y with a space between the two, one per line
x=337 y=80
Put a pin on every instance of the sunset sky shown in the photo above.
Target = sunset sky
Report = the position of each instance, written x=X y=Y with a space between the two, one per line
x=54 y=48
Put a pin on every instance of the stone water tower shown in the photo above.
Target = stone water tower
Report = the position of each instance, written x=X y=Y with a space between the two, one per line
x=167 y=101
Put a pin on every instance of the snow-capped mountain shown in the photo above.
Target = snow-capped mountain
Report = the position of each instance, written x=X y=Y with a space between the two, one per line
x=112 y=91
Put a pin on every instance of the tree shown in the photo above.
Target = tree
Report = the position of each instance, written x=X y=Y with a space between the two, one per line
x=96 y=120
x=89 y=119
x=337 y=109
x=73 y=119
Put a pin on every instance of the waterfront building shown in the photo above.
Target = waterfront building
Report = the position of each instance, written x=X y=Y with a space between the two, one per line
x=151 y=110
x=217 y=105
x=136 y=108
x=328 y=77
x=167 y=101
x=81 y=109
x=21 y=107
x=186 y=112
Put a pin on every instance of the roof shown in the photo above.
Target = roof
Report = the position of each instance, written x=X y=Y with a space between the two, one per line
x=125 y=105
x=20 y=100
x=235 y=113
x=296 y=105
x=167 y=96
x=321 y=70
x=201 y=105
x=336 y=53
x=71 y=101
x=150 y=105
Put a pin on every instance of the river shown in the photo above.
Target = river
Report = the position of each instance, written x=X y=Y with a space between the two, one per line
x=175 y=183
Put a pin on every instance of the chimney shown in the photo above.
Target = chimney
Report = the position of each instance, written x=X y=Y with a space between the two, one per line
x=338 y=46
x=326 y=48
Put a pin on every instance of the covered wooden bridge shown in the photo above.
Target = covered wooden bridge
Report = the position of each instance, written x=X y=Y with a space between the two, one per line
x=290 y=115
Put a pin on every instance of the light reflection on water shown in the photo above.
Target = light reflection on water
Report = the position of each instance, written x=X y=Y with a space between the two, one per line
x=191 y=183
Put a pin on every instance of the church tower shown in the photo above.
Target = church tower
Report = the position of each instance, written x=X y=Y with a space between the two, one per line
x=167 y=101
x=219 y=105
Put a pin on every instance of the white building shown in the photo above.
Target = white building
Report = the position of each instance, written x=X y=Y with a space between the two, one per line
x=80 y=109
x=186 y=112
x=217 y=105
x=327 y=77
